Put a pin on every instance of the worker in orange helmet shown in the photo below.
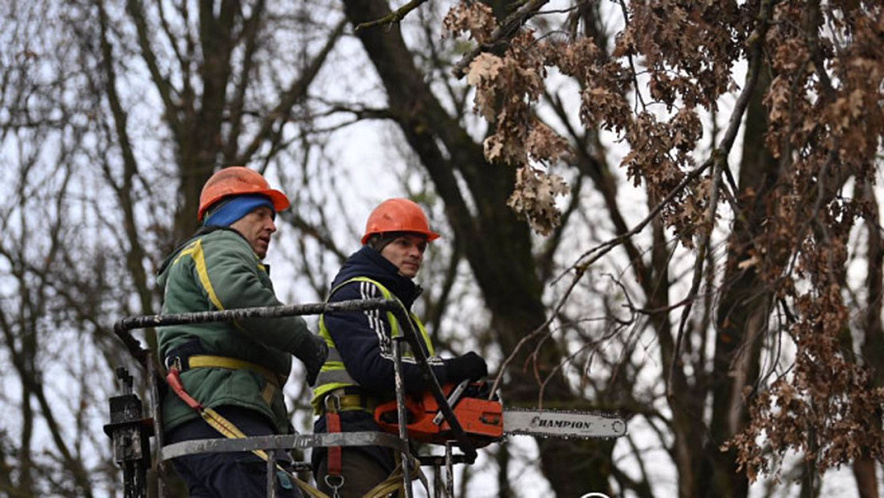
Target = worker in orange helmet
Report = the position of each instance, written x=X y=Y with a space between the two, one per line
x=358 y=374
x=238 y=369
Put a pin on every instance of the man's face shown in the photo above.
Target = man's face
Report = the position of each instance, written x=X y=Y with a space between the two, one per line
x=257 y=227
x=407 y=253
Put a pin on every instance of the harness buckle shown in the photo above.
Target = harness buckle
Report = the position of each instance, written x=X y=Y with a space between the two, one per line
x=174 y=362
x=332 y=403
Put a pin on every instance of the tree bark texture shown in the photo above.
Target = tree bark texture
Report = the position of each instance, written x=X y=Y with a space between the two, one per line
x=743 y=308
x=742 y=314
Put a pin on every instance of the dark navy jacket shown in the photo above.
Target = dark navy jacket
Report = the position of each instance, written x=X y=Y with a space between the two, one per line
x=363 y=339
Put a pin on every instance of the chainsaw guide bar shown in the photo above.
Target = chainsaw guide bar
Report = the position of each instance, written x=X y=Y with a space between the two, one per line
x=562 y=424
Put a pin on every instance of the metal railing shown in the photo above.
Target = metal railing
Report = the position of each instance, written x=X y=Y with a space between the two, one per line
x=130 y=430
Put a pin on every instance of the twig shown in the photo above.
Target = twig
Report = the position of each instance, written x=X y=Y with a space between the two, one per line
x=606 y=247
x=580 y=268
x=533 y=333
x=510 y=24
x=391 y=18
x=638 y=93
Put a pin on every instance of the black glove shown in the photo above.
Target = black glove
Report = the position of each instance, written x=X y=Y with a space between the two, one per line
x=469 y=366
x=313 y=352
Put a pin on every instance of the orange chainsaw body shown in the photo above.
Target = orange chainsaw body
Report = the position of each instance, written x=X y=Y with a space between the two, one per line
x=481 y=419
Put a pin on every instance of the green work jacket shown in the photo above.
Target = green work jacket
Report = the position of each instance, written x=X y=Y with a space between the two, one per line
x=218 y=270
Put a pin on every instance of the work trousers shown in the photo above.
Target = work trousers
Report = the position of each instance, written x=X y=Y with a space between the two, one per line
x=229 y=475
x=360 y=474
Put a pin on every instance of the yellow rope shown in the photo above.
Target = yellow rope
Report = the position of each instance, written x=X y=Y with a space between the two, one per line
x=231 y=431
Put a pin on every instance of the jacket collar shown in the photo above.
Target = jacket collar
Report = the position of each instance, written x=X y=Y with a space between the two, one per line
x=367 y=262
x=203 y=230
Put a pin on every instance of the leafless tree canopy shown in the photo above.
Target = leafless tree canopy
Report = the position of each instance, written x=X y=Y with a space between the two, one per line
x=666 y=209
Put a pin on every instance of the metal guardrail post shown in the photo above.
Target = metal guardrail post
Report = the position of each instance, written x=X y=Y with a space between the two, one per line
x=271 y=474
x=402 y=414
x=128 y=429
x=154 y=378
x=449 y=473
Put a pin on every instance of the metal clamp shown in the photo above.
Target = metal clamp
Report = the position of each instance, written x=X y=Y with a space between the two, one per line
x=173 y=362
x=335 y=483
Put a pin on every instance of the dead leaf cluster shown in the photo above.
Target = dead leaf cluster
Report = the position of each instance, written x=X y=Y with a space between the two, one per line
x=825 y=123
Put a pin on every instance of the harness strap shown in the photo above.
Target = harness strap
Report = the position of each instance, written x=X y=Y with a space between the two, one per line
x=357 y=402
x=335 y=453
x=229 y=430
x=183 y=363
x=348 y=399
x=175 y=383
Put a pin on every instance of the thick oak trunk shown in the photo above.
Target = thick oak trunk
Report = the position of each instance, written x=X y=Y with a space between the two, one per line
x=743 y=308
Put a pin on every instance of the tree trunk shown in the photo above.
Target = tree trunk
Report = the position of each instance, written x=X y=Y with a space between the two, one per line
x=864 y=473
x=744 y=306
x=864 y=468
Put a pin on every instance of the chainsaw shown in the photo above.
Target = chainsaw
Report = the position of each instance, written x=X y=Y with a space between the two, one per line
x=485 y=420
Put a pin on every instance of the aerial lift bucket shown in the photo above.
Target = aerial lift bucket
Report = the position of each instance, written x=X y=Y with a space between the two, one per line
x=131 y=430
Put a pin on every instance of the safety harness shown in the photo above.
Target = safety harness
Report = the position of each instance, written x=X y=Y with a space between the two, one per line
x=218 y=422
x=339 y=401
x=183 y=363
x=337 y=392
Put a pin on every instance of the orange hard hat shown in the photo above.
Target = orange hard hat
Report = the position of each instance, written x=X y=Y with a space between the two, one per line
x=238 y=180
x=398 y=215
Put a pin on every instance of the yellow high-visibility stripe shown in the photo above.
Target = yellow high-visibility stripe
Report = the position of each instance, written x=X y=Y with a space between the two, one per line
x=424 y=334
x=195 y=251
x=332 y=365
x=211 y=361
x=203 y=272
